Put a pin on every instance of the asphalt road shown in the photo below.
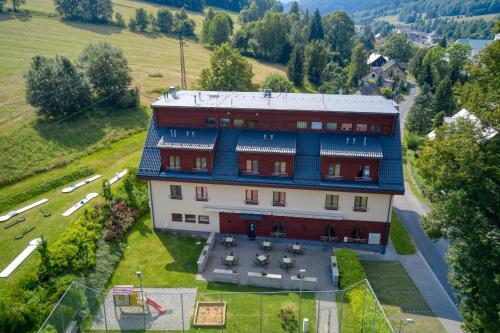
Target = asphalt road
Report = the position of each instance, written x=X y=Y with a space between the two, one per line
x=409 y=209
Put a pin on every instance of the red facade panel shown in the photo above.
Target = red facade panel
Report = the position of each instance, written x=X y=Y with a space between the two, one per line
x=187 y=159
x=265 y=163
x=304 y=228
x=349 y=167
x=271 y=119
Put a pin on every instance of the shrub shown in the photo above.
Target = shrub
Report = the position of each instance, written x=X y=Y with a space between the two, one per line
x=350 y=269
x=121 y=218
x=134 y=192
x=413 y=140
x=107 y=257
x=42 y=188
x=277 y=82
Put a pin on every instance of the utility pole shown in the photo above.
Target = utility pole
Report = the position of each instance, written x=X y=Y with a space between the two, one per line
x=183 y=63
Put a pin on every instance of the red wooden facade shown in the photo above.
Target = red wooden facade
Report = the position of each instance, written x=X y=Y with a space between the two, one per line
x=187 y=159
x=276 y=120
x=266 y=163
x=349 y=167
x=305 y=228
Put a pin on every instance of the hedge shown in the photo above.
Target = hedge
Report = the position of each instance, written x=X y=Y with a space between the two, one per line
x=42 y=188
x=350 y=269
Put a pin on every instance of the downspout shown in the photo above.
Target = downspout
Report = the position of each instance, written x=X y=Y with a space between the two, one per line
x=388 y=224
x=151 y=208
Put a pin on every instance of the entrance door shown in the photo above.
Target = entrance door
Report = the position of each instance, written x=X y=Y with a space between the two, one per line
x=251 y=231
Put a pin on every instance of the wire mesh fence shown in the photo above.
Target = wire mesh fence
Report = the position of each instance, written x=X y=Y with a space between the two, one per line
x=82 y=309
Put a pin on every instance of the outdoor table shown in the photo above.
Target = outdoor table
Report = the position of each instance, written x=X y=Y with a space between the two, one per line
x=296 y=247
x=262 y=258
x=228 y=240
x=266 y=245
x=287 y=261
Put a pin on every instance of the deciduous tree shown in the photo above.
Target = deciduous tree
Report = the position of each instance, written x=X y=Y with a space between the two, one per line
x=334 y=79
x=228 y=71
x=339 y=31
x=277 y=82
x=164 y=20
x=317 y=56
x=358 y=66
x=398 y=47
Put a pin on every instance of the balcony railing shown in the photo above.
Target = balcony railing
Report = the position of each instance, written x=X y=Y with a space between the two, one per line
x=251 y=202
x=278 y=234
x=200 y=169
x=360 y=209
x=280 y=174
x=331 y=207
x=279 y=203
x=176 y=196
x=201 y=197
x=363 y=178
x=173 y=168
x=331 y=239
x=333 y=177
x=250 y=172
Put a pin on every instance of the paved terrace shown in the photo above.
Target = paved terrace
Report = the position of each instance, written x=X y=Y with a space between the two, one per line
x=315 y=260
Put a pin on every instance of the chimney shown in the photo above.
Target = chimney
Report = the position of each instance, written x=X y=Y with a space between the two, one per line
x=364 y=143
x=173 y=92
x=199 y=95
x=194 y=99
x=268 y=93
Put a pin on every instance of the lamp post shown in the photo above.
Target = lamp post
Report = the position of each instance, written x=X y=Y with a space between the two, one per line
x=139 y=275
x=301 y=274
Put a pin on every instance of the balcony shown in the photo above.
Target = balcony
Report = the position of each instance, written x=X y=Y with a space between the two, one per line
x=176 y=196
x=173 y=168
x=332 y=207
x=200 y=169
x=280 y=174
x=332 y=177
x=251 y=202
x=366 y=179
x=279 y=203
x=250 y=173
x=360 y=209
x=201 y=197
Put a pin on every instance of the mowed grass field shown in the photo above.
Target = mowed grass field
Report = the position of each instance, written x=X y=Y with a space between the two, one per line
x=29 y=147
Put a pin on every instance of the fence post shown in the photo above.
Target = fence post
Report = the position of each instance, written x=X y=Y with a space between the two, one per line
x=374 y=313
x=260 y=330
x=363 y=311
x=182 y=312
x=341 y=308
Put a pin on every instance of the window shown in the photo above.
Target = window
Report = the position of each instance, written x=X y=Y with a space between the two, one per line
x=357 y=232
x=203 y=219
x=252 y=197
x=360 y=204
x=373 y=75
x=376 y=128
x=302 y=124
x=363 y=172
x=238 y=122
x=252 y=167
x=174 y=163
x=330 y=231
x=190 y=218
x=279 y=199
x=346 y=127
x=316 y=125
x=201 y=193
x=201 y=164
x=175 y=192
x=361 y=127
x=331 y=126
x=252 y=123
x=332 y=202
x=224 y=122
x=176 y=217
x=210 y=121
x=279 y=168
x=333 y=170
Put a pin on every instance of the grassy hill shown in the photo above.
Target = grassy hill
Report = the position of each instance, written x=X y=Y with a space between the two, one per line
x=29 y=146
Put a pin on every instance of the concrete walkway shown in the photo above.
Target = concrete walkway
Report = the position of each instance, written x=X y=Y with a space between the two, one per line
x=326 y=313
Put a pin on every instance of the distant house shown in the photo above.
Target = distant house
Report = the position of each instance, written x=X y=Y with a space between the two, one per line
x=369 y=89
x=488 y=132
x=475 y=44
x=388 y=74
x=376 y=60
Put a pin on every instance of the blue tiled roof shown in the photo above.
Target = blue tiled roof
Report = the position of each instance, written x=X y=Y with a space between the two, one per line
x=187 y=138
x=343 y=145
x=267 y=142
x=306 y=164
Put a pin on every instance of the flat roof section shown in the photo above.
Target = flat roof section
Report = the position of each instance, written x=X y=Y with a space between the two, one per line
x=267 y=142
x=337 y=145
x=188 y=138
x=279 y=101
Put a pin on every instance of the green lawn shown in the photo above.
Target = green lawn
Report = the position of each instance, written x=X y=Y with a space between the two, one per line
x=29 y=147
x=169 y=260
x=400 y=297
x=400 y=238
x=105 y=162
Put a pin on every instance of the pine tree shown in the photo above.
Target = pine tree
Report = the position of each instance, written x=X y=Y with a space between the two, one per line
x=296 y=66
x=316 y=31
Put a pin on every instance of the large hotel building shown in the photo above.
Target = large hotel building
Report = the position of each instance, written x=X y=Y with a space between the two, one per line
x=300 y=166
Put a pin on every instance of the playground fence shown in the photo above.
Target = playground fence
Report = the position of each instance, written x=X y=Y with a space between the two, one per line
x=356 y=309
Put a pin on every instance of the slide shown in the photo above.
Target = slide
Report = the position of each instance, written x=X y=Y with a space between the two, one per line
x=20 y=258
x=118 y=176
x=80 y=203
x=73 y=187
x=21 y=210
x=155 y=305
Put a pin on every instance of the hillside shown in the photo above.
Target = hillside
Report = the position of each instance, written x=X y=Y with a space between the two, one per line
x=28 y=147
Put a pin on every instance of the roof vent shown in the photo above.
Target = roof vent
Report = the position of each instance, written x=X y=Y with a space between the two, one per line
x=192 y=134
x=213 y=95
x=173 y=92
x=364 y=143
x=271 y=137
x=171 y=133
x=353 y=141
x=187 y=134
x=347 y=140
x=268 y=92
x=265 y=137
x=175 y=133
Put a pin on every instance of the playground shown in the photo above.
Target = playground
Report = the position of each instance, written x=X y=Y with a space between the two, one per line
x=159 y=309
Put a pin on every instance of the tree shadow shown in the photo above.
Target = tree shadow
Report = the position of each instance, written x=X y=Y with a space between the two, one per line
x=183 y=249
x=23 y=16
x=92 y=126
x=103 y=29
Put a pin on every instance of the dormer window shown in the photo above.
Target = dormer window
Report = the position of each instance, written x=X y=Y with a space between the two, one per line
x=252 y=167
x=331 y=126
x=361 y=127
x=174 y=163
x=225 y=122
x=201 y=164
x=363 y=172
x=302 y=125
x=376 y=128
x=210 y=121
x=333 y=170
x=279 y=169
x=346 y=127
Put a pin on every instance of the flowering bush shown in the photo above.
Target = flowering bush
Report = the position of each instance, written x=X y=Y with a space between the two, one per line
x=121 y=218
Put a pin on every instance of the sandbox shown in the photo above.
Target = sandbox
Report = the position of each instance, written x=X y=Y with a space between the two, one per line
x=210 y=314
